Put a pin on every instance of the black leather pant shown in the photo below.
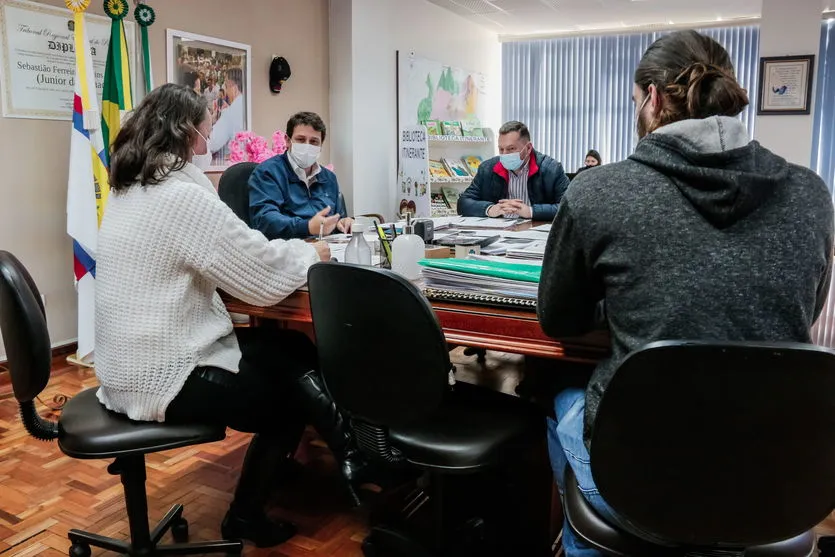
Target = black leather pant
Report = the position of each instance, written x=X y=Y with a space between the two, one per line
x=262 y=398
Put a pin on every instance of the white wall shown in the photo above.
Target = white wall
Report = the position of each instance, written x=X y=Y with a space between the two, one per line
x=340 y=128
x=379 y=28
x=789 y=28
x=34 y=154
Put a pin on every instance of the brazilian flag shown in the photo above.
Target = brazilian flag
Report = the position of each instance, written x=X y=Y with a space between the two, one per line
x=116 y=94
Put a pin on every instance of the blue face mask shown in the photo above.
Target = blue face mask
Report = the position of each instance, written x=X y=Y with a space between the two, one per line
x=511 y=161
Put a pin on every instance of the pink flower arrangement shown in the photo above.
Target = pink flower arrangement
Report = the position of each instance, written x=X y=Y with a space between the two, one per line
x=249 y=147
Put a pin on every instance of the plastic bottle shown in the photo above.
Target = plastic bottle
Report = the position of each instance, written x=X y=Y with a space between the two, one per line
x=406 y=250
x=358 y=251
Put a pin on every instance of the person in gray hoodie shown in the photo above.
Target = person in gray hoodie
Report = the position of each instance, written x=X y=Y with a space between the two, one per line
x=700 y=234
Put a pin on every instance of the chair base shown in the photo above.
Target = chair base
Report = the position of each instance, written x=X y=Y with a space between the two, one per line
x=144 y=542
x=384 y=541
x=479 y=353
x=454 y=516
x=173 y=521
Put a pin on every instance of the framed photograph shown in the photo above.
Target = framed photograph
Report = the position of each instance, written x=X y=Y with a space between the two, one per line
x=786 y=85
x=221 y=71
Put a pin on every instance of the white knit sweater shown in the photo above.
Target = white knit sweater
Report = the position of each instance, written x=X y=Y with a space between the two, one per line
x=163 y=251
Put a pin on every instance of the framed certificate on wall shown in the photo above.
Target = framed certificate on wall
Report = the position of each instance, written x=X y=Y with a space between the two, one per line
x=786 y=85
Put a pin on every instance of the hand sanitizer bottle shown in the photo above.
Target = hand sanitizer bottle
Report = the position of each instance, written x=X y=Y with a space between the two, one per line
x=406 y=250
x=358 y=251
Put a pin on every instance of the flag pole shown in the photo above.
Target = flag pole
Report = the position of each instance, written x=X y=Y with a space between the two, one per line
x=87 y=175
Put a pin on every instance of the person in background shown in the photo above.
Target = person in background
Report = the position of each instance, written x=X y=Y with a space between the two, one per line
x=711 y=248
x=166 y=350
x=292 y=195
x=197 y=83
x=592 y=160
x=520 y=182
x=222 y=103
x=210 y=91
x=232 y=120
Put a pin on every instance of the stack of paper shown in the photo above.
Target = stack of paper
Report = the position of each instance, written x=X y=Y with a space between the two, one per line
x=534 y=250
x=481 y=279
x=503 y=259
x=506 y=244
x=486 y=222
x=439 y=223
x=442 y=223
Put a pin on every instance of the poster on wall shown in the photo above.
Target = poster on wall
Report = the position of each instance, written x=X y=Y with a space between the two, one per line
x=38 y=58
x=221 y=71
x=429 y=90
x=786 y=85
x=413 y=177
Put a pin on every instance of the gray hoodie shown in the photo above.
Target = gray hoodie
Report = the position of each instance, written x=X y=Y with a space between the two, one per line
x=700 y=235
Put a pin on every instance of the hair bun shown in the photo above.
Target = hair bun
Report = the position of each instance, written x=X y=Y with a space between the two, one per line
x=705 y=87
x=698 y=72
x=694 y=76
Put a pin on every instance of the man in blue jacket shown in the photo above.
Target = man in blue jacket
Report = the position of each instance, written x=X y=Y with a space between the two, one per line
x=291 y=195
x=520 y=182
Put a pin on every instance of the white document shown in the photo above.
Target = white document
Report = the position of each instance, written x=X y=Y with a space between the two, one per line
x=486 y=222
x=503 y=259
x=502 y=246
x=535 y=250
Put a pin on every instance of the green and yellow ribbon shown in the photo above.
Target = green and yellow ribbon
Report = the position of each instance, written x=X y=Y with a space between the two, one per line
x=116 y=9
x=77 y=6
x=145 y=17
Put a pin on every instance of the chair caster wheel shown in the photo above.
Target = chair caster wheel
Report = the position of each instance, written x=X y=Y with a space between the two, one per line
x=80 y=550
x=179 y=530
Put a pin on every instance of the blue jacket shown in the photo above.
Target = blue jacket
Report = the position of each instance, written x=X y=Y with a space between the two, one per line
x=280 y=205
x=547 y=183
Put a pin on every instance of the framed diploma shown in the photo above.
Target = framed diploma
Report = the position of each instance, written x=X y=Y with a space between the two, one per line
x=37 y=58
x=786 y=85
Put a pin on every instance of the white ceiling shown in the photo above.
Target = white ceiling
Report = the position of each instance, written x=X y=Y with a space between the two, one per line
x=532 y=17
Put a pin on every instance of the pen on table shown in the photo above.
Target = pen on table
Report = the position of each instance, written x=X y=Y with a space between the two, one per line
x=384 y=242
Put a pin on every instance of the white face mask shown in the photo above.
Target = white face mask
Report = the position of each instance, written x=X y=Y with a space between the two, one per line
x=511 y=161
x=305 y=154
x=514 y=161
x=204 y=161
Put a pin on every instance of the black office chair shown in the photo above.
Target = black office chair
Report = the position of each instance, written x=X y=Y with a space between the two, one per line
x=721 y=448
x=87 y=430
x=385 y=362
x=233 y=188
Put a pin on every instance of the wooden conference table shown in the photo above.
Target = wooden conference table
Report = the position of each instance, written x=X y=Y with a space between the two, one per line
x=505 y=329
x=494 y=328
x=514 y=330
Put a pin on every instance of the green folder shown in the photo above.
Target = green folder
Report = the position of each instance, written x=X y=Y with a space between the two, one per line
x=499 y=269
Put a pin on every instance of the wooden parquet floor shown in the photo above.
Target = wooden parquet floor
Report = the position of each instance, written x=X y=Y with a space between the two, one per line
x=44 y=493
